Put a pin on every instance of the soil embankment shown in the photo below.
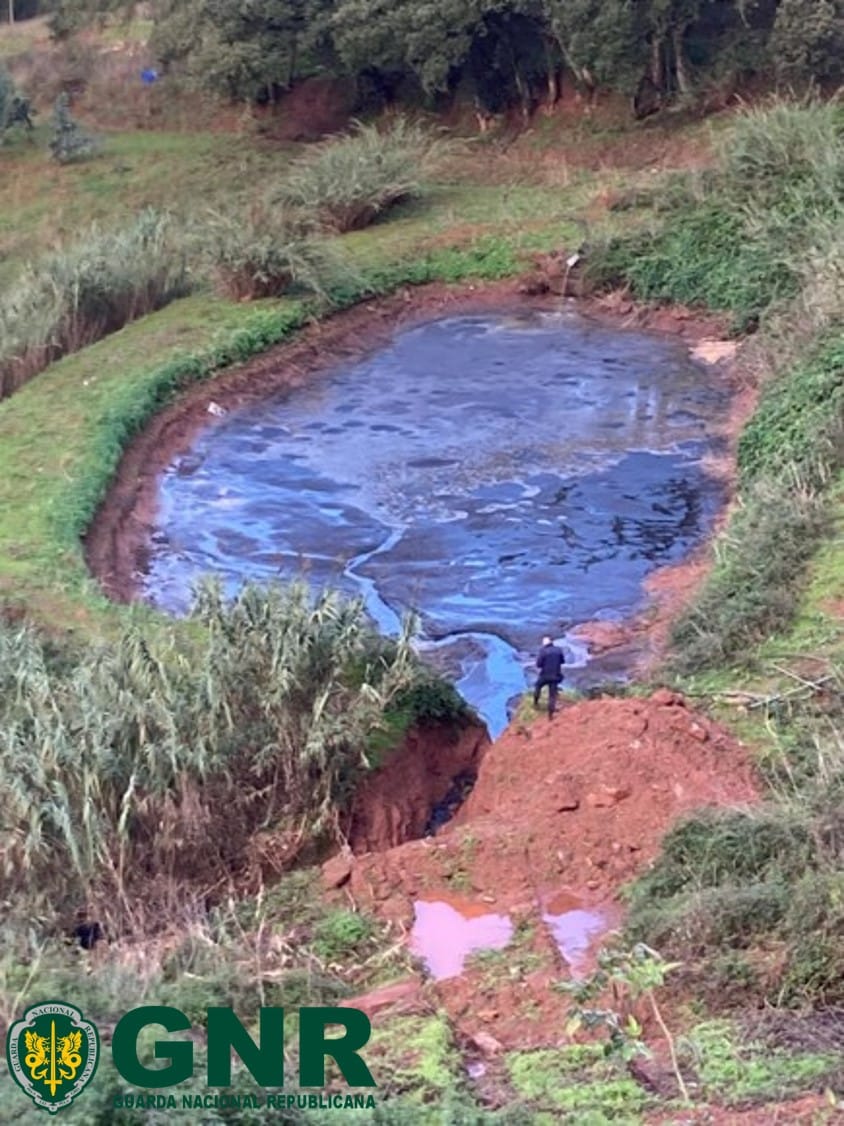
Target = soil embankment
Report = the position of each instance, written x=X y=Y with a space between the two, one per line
x=564 y=813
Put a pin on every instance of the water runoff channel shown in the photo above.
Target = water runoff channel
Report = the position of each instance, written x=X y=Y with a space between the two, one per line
x=504 y=475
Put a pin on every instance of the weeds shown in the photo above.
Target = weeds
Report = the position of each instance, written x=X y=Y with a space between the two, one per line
x=741 y=239
x=634 y=976
x=789 y=454
x=348 y=183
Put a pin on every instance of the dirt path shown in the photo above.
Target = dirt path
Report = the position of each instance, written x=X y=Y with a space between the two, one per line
x=563 y=814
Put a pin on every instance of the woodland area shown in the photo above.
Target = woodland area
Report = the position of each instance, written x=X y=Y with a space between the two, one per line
x=501 y=53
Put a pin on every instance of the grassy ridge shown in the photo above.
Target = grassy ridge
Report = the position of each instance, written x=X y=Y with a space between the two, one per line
x=762 y=237
x=750 y=901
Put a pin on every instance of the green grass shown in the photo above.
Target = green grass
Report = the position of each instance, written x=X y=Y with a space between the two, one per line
x=789 y=454
x=186 y=173
x=59 y=441
x=41 y=204
x=733 y=1071
x=577 y=1084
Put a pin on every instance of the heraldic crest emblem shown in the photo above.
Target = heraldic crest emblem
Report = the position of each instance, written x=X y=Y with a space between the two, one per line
x=52 y=1054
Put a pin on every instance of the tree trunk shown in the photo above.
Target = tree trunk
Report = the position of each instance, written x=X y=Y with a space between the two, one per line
x=294 y=60
x=11 y=12
x=684 y=84
x=552 y=73
x=657 y=68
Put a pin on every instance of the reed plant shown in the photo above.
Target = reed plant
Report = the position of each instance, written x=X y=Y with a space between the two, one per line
x=142 y=771
x=348 y=183
x=267 y=251
x=74 y=296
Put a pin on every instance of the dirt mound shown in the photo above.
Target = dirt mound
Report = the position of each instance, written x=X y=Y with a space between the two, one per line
x=563 y=814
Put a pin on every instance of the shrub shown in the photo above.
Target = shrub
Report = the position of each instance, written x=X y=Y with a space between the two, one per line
x=693 y=924
x=266 y=252
x=72 y=297
x=347 y=183
x=70 y=143
x=14 y=108
x=699 y=257
x=783 y=152
x=725 y=848
x=740 y=240
x=815 y=929
x=342 y=934
x=432 y=700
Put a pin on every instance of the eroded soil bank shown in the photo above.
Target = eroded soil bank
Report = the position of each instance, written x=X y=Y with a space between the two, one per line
x=563 y=814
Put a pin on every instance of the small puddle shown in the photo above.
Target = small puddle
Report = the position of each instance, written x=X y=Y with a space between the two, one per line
x=576 y=929
x=445 y=933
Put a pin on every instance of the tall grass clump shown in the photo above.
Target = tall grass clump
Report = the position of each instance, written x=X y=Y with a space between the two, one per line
x=740 y=238
x=267 y=251
x=158 y=765
x=789 y=453
x=348 y=183
x=70 y=143
x=769 y=878
x=74 y=296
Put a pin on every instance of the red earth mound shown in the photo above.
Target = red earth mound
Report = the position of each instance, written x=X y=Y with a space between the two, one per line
x=563 y=814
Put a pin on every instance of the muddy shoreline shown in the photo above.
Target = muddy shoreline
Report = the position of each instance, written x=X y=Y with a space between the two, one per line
x=116 y=544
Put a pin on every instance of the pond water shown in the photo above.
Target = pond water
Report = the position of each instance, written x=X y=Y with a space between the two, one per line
x=506 y=475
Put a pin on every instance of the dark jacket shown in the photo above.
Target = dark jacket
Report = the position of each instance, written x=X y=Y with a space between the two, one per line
x=550 y=663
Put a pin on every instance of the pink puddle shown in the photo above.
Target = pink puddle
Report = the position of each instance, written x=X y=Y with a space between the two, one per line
x=444 y=934
x=575 y=929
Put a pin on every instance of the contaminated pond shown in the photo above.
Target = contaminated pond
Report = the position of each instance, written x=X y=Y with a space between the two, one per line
x=503 y=475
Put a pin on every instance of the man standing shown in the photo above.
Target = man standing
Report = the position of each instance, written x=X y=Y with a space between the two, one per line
x=549 y=662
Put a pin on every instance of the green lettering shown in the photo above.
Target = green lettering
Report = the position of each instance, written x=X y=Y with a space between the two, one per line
x=314 y=1046
x=124 y=1047
x=264 y=1061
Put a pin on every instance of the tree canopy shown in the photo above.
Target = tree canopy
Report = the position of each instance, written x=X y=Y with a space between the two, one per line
x=500 y=52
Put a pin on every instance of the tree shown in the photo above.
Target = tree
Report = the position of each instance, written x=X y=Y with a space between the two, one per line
x=15 y=109
x=603 y=42
x=247 y=48
x=70 y=142
x=808 y=39
x=504 y=52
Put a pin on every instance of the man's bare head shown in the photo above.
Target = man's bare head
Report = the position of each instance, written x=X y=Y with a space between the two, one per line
x=547 y=641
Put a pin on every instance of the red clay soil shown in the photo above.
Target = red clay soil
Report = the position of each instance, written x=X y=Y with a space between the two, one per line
x=393 y=805
x=563 y=814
